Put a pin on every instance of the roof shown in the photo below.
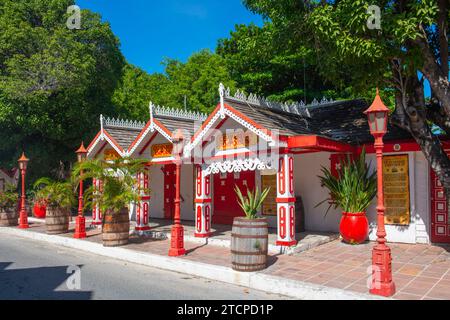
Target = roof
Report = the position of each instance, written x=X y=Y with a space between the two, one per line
x=345 y=121
x=174 y=124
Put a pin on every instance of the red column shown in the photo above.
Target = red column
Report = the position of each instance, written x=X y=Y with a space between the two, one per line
x=382 y=283
x=286 y=201
x=177 y=239
x=143 y=206
x=23 y=217
x=96 y=211
x=203 y=203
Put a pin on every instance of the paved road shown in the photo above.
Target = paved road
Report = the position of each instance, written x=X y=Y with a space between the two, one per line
x=35 y=270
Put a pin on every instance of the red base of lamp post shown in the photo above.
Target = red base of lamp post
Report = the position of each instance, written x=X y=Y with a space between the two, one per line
x=382 y=283
x=80 y=228
x=177 y=242
x=23 y=221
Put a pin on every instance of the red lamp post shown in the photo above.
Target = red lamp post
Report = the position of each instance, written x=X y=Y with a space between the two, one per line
x=382 y=283
x=80 y=222
x=23 y=217
x=177 y=239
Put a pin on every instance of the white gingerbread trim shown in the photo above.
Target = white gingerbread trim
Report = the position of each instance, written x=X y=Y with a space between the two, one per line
x=238 y=165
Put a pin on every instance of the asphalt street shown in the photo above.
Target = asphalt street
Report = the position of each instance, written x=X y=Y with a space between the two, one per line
x=36 y=270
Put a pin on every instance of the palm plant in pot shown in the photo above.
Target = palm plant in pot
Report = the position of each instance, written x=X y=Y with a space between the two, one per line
x=59 y=198
x=352 y=190
x=250 y=235
x=8 y=207
x=119 y=191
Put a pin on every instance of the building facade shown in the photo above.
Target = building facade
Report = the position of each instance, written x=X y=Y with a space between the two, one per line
x=249 y=142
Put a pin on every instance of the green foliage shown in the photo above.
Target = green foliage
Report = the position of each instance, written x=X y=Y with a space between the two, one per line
x=198 y=80
x=56 y=194
x=9 y=198
x=252 y=202
x=54 y=82
x=119 y=182
x=354 y=188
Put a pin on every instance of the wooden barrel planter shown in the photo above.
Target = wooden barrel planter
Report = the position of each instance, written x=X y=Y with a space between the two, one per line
x=57 y=220
x=9 y=217
x=249 y=244
x=116 y=229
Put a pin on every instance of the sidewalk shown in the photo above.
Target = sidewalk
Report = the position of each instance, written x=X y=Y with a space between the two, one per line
x=331 y=271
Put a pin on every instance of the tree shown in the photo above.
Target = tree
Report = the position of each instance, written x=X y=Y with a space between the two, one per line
x=263 y=63
x=197 y=81
x=54 y=81
x=411 y=47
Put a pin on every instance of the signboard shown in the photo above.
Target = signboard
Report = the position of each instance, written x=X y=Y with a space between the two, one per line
x=396 y=190
x=269 y=207
x=111 y=155
x=162 y=150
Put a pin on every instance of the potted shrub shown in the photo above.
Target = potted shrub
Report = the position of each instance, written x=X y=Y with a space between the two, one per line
x=119 y=191
x=8 y=207
x=352 y=190
x=59 y=197
x=250 y=236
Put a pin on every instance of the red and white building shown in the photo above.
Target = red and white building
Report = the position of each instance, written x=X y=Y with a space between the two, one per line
x=248 y=141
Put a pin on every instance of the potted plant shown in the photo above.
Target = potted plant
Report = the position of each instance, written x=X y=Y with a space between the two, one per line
x=250 y=236
x=59 y=197
x=8 y=207
x=119 y=191
x=352 y=190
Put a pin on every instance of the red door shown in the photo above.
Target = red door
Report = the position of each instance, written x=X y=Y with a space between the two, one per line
x=226 y=206
x=169 y=191
x=440 y=219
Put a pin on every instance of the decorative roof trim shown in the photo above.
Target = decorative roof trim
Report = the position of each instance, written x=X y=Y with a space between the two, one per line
x=298 y=108
x=122 y=124
x=222 y=112
x=176 y=113
x=102 y=136
x=150 y=127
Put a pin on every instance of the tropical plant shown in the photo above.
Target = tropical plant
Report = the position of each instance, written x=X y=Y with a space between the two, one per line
x=9 y=197
x=55 y=194
x=252 y=202
x=353 y=189
x=119 y=182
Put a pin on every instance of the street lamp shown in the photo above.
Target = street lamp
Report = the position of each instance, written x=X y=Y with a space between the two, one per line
x=382 y=283
x=80 y=221
x=23 y=216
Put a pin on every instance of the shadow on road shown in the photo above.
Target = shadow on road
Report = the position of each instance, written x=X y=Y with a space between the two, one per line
x=37 y=284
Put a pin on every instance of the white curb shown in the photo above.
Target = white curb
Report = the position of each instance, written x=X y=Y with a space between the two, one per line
x=256 y=280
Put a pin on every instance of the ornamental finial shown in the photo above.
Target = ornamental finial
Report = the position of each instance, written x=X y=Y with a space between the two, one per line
x=152 y=128
x=222 y=101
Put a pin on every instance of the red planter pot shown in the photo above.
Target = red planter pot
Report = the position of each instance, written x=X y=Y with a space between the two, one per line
x=39 y=211
x=354 y=227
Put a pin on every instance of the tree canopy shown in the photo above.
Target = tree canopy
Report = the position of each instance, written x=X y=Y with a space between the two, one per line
x=54 y=81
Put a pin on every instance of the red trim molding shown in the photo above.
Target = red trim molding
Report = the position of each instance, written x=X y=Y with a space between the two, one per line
x=201 y=235
x=200 y=201
x=316 y=143
x=286 y=200
x=286 y=243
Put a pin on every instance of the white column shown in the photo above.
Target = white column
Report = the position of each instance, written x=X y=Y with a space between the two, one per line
x=143 y=206
x=286 y=201
x=203 y=203
x=96 y=211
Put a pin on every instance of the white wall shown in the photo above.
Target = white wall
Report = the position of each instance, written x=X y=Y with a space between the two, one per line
x=307 y=185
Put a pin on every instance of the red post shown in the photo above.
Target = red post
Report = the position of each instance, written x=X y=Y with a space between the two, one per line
x=177 y=240
x=23 y=220
x=80 y=221
x=382 y=283
x=23 y=216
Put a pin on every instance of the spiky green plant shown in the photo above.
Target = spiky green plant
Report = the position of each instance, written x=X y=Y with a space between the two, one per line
x=353 y=189
x=53 y=193
x=9 y=197
x=119 y=182
x=252 y=202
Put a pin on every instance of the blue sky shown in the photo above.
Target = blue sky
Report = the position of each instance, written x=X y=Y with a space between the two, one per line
x=150 y=30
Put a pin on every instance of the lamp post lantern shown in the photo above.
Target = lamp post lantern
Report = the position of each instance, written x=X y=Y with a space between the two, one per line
x=80 y=222
x=23 y=216
x=382 y=283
